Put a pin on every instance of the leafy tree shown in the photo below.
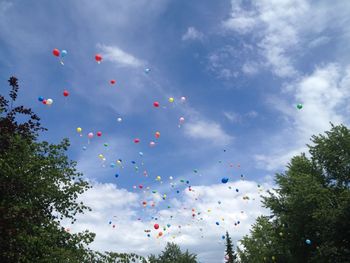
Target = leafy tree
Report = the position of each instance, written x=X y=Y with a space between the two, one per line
x=310 y=208
x=231 y=256
x=39 y=187
x=173 y=254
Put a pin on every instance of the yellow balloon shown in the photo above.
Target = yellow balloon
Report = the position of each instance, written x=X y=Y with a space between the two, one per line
x=79 y=129
x=100 y=156
x=158 y=178
x=171 y=100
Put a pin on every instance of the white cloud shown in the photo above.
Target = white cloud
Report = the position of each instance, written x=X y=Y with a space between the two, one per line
x=324 y=95
x=232 y=116
x=210 y=131
x=192 y=34
x=118 y=56
x=319 y=41
x=250 y=68
x=199 y=234
x=283 y=28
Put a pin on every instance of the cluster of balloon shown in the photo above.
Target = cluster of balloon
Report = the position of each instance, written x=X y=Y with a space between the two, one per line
x=299 y=106
x=47 y=102
x=98 y=58
x=61 y=54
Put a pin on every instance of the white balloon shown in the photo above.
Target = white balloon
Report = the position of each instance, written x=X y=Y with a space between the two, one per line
x=119 y=119
x=49 y=101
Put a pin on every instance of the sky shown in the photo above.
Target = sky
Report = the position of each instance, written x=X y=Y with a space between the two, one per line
x=242 y=67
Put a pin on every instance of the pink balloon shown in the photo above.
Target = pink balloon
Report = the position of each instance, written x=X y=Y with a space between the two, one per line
x=90 y=135
x=152 y=144
x=182 y=120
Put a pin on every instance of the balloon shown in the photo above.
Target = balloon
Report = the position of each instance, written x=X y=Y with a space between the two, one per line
x=156 y=104
x=157 y=134
x=152 y=144
x=49 y=102
x=156 y=226
x=112 y=165
x=147 y=70
x=112 y=81
x=144 y=203
x=158 y=178
x=98 y=58
x=299 y=106
x=237 y=190
x=171 y=100
x=44 y=101
x=182 y=120
x=99 y=134
x=63 y=53
x=100 y=156
x=116 y=175
x=105 y=144
x=79 y=130
x=65 y=93
x=136 y=140
x=171 y=178
x=223 y=237
x=217 y=223
x=224 y=180
x=308 y=241
x=84 y=148
x=183 y=99
x=160 y=234
x=90 y=135
x=119 y=119
x=141 y=153
x=40 y=99
x=56 y=52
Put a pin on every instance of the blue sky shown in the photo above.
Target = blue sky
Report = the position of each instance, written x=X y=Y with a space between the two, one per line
x=242 y=66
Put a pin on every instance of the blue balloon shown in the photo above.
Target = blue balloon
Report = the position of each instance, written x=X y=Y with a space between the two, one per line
x=217 y=223
x=237 y=190
x=116 y=175
x=112 y=165
x=224 y=180
x=223 y=237
x=177 y=191
x=308 y=241
x=40 y=98
x=84 y=148
x=64 y=53
x=133 y=162
x=147 y=70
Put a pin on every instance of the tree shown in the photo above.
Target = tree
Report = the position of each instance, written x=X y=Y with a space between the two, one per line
x=39 y=187
x=310 y=208
x=173 y=254
x=231 y=256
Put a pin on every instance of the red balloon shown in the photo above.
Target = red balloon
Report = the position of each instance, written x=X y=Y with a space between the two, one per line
x=156 y=104
x=136 y=140
x=112 y=81
x=56 y=52
x=65 y=93
x=44 y=101
x=99 y=134
x=98 y=57
x=156 y=226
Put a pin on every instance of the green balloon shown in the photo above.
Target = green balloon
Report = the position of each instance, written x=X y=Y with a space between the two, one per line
x=300 y=106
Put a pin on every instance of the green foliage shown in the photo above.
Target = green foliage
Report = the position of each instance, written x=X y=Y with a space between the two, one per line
x=312 y=202
x=230 y=253
x=39 y=187
x=173 y=254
